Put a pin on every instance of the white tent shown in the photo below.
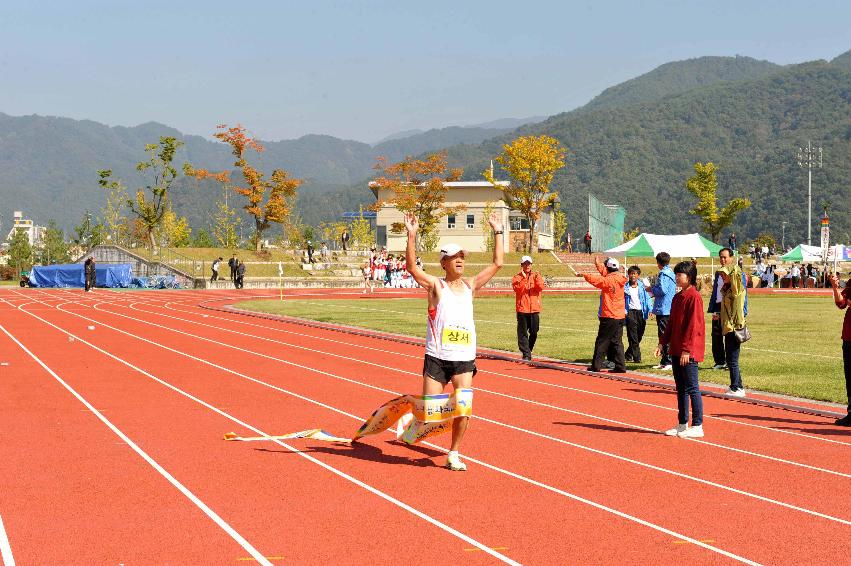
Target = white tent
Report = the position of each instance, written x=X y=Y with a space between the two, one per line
x=648 y=245
x=803 y=252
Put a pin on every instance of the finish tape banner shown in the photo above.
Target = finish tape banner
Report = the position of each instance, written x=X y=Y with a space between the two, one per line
x=431 y=415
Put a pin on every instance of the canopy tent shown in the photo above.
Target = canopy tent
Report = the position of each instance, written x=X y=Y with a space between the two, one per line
x=72 y=275
x=803 y=252
x=685 y=245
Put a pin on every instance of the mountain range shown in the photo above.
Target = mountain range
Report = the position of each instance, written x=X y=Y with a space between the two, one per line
x=633 y=145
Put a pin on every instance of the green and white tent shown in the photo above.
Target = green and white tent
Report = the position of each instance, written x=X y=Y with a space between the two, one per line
x=648 y=245
x=803 y=252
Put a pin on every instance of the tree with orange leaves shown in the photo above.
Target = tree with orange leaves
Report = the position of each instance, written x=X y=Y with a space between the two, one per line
x=277 y=206
x=418 y=187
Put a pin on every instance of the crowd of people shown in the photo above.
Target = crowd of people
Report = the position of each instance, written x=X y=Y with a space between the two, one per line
x=386 y=270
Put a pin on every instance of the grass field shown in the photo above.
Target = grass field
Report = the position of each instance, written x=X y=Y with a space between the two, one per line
x=795 y=350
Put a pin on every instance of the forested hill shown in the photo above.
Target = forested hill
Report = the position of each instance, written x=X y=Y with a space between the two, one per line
x=640 y=155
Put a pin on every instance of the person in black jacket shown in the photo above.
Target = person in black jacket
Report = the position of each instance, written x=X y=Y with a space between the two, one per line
x=90 y=273
x=232 y=265
x=240 y=274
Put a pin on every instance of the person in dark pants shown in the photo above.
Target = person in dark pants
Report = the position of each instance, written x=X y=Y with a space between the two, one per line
x=240 y=275
x=685 y=337
x=663 y=294
x=637 y=310
x=310 y=251
x=344 y=239
x=90 y=273
x=587 y=239
x=527 y=287
x=612 y=311
x=842 y=299
x=214 y=276
x=732 y=317
x=233 y=263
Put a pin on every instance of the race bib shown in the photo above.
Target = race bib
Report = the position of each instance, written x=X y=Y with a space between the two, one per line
x=456 y=337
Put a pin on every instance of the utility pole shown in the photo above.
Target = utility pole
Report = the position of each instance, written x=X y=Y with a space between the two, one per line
x=810 y=157
x=783 y=238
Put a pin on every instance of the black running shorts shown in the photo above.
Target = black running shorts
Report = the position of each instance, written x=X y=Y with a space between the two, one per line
x=443 y=371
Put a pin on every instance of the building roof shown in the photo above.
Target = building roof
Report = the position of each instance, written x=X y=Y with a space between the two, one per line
x=453 y=184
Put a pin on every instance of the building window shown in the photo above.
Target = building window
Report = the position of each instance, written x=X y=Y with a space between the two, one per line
x=518 y=223
x=450 y=221
x=471 y=221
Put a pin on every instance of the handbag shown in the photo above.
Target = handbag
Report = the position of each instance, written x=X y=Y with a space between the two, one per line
x=743 y=334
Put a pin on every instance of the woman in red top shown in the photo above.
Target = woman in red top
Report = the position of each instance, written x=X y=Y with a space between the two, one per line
x=685 y=337
x=843 y=301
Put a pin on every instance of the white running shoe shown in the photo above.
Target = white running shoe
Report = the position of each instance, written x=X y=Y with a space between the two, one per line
x=719 y=366
x=736 y=393
x=692 y=432
x=665 y=367
x=676 y=430
x=454 y=463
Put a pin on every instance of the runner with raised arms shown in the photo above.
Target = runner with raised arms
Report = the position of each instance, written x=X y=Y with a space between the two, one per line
x=451 y=332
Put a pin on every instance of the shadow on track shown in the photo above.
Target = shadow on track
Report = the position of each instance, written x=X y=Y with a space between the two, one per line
x=371 y=453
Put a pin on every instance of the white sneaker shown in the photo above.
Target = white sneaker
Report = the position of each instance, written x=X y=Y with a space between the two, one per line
x=736 y=393
x=692 y=432
x=662 y=367
x=719 y=366
x=676 y=430
x=454 y=463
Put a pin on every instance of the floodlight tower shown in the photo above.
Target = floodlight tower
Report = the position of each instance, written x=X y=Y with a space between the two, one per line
x=810 y=157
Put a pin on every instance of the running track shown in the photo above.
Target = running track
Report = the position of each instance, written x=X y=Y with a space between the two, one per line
x=112 y=453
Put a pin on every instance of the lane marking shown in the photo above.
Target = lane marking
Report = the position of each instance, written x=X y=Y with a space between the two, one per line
x=687 y=542
x=497 y=548
x=153 y=463
x=5 y=547
x=399 y=370
x=249 y=559
x=374 y=490
x=259 y=432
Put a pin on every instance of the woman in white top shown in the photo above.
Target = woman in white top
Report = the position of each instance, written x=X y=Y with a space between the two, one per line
x=451 y=332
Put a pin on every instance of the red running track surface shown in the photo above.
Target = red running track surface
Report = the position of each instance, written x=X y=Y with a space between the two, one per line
x=113 y=406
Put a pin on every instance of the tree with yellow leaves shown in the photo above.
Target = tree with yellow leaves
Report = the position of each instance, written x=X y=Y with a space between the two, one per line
x=281 y=187
x=418 y=187
x=530 y=162
x=704 y=185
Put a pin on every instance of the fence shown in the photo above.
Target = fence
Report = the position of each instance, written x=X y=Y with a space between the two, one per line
x=605 y=222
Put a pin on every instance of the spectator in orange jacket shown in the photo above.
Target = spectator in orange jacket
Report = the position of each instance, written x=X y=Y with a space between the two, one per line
x=612 y=312
x=527 y=287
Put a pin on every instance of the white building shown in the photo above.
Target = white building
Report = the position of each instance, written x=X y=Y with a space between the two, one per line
x=465 y=228
x=34 y=233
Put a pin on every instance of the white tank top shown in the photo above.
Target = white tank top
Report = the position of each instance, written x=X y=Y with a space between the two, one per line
x=451 y=331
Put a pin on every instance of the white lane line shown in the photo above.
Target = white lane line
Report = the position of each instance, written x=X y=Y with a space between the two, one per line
x=374 y=490
x=5 y=547
x=259 y=432
x=513 y=397
x=153 y=463
x=544 y=383
x=498 y=423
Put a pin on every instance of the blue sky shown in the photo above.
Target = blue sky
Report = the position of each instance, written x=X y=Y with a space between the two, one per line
x=362 y=70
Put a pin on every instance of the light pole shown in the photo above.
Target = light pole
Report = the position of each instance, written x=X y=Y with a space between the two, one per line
x=809 y=157
x=783 y=238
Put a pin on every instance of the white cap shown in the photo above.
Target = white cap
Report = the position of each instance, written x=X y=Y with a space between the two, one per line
x=612 y=263
x=524 y=259
x=449 y=250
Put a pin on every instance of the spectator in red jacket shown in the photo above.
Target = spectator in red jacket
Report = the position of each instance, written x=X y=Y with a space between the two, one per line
x=527 y=287
x=842 y=299
x=685 y=337
x=612 y=312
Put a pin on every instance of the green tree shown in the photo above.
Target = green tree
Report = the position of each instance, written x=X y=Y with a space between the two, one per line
x=363 y=236
x=88 y=233
x=531 y=163
x=53 y=248
x=202 y=239
x=20 y=251
x=226 y=224
x=173 y=230
x=114 y=222
x=704 y=185
x=487 y=231
x=559 y=227
x=161 y=174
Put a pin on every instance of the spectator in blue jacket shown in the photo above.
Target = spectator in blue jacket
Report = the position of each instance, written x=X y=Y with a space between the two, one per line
x=637 y=304
x=663 y=294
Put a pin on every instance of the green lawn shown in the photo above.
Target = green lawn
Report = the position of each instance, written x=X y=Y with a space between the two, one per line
x=795 y=350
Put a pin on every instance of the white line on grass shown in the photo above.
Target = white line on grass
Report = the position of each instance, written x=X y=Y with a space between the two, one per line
x=153 y=463
x=374 y=490
x=259 y=557
x=307 y=368
x=5 y=547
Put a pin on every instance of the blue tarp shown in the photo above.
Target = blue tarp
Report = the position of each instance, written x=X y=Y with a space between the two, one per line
x=72 y=275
